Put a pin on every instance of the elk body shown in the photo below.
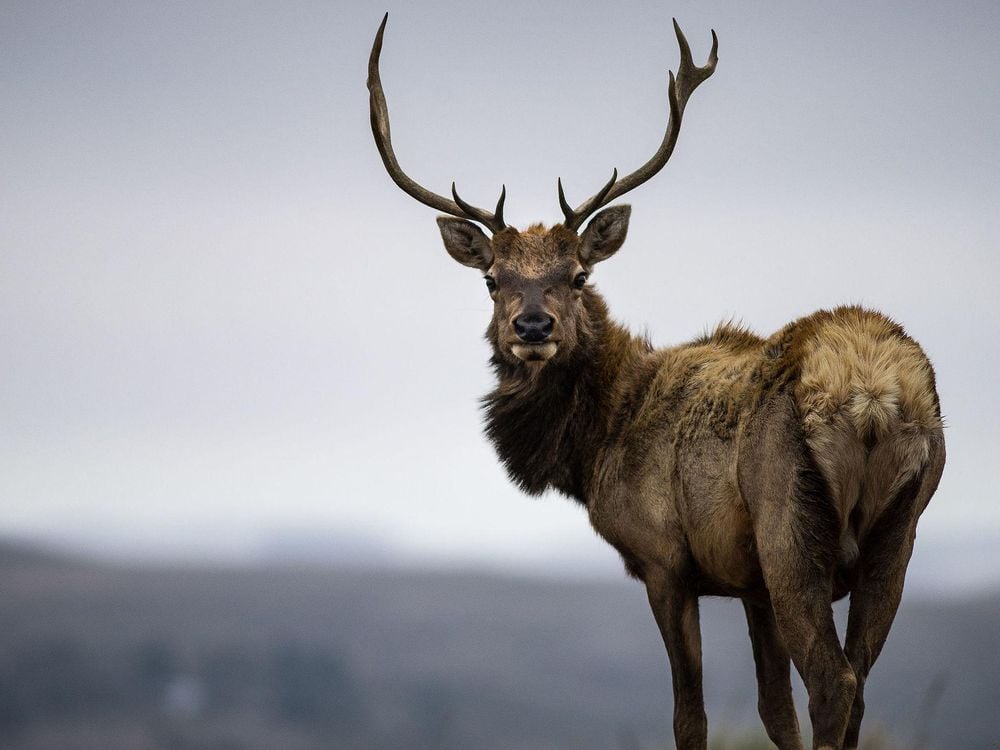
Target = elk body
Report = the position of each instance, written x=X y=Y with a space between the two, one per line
x=787 y=470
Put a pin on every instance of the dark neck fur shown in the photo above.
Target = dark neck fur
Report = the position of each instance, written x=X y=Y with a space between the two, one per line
x=547 y=427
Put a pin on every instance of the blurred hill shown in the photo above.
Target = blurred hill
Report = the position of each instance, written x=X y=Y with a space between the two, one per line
x=111 y=656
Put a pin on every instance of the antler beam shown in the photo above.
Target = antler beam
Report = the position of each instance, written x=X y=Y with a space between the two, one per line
x=383 y=140
x=689 y=77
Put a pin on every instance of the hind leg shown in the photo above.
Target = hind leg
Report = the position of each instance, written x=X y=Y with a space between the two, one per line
x=774 y=688
x=797 y=534
x=800 y=593
x=881 y=569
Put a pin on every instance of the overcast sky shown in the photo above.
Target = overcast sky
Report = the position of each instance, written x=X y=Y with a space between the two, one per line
x=221 y=324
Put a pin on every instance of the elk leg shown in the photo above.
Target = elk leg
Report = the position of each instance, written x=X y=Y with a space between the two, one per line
x=774 y=687
x=805 y=619
x=797 y=559
x=676 y=611
x=797 y=534
x=873 y=606
x=884 y=556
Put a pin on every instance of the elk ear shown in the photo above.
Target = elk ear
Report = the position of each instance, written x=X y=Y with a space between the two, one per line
x=466 y=243
x=604 y=234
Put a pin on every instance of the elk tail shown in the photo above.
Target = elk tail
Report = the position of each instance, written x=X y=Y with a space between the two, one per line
x=873 y=405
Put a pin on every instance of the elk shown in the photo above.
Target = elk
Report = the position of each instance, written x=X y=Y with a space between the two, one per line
x=787 y=471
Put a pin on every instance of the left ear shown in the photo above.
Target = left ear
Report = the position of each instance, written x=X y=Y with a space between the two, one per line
x=604 y=234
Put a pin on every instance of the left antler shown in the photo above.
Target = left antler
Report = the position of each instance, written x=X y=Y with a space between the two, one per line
x=689 y=77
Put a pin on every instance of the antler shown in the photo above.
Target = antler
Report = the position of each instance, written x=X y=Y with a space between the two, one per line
x=689 y=76
x=380 y=129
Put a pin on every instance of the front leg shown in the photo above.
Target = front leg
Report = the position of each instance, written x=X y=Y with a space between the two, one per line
x=675 y=608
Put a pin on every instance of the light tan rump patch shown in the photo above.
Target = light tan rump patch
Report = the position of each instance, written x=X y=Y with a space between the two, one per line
x=865 y=394
x=859 y=363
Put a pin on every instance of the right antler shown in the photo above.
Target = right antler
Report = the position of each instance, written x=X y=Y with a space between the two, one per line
x=380 y=129
x=689 y=76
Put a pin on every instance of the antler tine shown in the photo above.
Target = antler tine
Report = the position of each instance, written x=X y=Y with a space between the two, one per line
x=563 y=204
x=572 y=216
x=383 y=141
x=498 y=211
x=472 y=210
x=689 y=77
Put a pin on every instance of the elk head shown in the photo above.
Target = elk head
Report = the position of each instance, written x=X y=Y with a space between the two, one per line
x=538 y=278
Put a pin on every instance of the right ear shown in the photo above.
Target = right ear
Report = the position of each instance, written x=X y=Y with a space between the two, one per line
x=466 y=242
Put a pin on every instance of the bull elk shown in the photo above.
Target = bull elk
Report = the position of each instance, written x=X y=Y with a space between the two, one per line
x=787 y=471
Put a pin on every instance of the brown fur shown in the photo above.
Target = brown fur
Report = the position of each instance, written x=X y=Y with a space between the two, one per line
x=771 y=469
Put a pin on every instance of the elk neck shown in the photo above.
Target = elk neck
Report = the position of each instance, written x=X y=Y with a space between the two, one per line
x=548 y=426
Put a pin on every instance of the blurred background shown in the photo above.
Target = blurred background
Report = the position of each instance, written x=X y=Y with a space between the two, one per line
x=244 y=496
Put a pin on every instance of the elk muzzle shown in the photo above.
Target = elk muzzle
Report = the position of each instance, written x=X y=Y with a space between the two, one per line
x=533 y=329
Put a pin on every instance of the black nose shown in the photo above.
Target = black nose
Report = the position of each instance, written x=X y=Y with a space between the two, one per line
x=533 y=327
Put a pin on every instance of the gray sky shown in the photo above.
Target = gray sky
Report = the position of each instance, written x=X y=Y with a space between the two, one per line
x=221 y=322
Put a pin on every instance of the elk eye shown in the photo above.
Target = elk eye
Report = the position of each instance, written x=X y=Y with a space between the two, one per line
x=580 y=280
x=491 y=284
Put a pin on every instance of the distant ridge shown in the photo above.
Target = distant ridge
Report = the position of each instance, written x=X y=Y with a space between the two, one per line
x=22 y=553
x=455 y=654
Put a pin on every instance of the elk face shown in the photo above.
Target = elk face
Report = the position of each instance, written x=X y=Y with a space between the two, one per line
x=536 y=279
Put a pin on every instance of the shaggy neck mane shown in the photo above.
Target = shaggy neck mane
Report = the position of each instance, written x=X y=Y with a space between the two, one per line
x=547 y=425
